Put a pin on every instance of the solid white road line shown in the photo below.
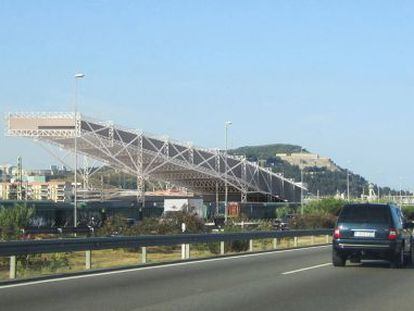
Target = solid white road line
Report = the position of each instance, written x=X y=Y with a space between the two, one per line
x=308 y=268
x=158 y=267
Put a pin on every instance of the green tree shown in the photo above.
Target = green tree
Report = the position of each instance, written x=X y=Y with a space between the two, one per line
x=408 y=212
x=12 y=220
x=324 y=206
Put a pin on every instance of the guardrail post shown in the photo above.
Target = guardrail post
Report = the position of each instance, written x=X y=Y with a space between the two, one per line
x=187 y=251
x=183 y=251
x=221 y=247
x=12 y=267
x=312 y=240
x=250 y=245
x=144 y=254
x=295 y=241
x=88 y=260
x=274 y=243
x=327 y=239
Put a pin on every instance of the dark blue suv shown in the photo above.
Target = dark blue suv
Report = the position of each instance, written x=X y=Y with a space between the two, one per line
x=372 y=231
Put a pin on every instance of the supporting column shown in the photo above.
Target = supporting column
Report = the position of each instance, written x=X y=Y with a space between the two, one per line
x=86 y=173
x=140 y=177
x=140 y=190
x=88 y=260
x=144 y=254
x=217 y=167
x=243 y=197
x=221 y=247
x=12 y=267
x=217 y=198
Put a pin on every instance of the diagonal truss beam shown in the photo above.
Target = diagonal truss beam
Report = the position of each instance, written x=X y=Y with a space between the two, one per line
x=148 y=156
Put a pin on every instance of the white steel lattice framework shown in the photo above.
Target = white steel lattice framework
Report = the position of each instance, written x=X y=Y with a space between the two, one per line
x=147 y=156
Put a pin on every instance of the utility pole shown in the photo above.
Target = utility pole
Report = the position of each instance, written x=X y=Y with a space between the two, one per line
x=19 y=178
x=77 y=77
x=226 y=190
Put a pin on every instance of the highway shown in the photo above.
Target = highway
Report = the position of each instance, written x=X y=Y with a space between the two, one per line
x=300 y=279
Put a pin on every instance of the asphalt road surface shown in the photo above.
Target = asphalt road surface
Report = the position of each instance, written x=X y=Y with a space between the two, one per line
x=300 y=279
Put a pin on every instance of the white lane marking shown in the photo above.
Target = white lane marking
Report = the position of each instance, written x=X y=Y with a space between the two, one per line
x=75 y=277
x=308 y=268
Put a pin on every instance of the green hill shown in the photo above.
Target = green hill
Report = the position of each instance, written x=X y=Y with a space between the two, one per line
x=264 y=152
x=321 y=180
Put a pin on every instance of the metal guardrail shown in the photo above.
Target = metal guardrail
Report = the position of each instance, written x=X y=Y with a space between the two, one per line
x=25 y=247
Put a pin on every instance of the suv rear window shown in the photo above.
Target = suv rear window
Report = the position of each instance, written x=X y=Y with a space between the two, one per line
x=379 y=214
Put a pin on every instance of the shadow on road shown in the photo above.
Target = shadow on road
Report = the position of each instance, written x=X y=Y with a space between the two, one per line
x=375 y=264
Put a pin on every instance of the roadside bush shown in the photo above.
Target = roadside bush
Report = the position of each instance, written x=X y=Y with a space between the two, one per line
x=409 y=212
x=313 y=221
x=241 y=217
x=147 y=226
x=324 y=206
x=265 y=225
x=116 y=225
x=12 y=220
x=170 y=224
x=42 y=263
x=281 y=212
x=231 y=246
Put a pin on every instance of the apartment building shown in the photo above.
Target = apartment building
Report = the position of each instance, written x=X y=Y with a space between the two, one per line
x=57 y=191
x=8 y=191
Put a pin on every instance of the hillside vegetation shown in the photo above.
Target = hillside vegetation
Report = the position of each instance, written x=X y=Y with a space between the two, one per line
x=328 y=183
x=264 y=152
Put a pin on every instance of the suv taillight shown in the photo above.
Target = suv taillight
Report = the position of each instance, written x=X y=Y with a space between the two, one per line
x=337 y=233
x=392 y=234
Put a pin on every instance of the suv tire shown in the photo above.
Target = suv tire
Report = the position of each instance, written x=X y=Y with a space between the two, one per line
x=337 y=259
x=411 y=257
x=398 y=261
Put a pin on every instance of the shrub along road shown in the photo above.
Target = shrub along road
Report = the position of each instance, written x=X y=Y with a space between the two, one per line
x=300 y=279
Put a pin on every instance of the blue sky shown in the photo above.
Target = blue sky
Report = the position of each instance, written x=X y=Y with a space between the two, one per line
x=334 y=76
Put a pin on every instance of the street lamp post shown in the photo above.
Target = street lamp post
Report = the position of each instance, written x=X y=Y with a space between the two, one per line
x=379 y=193
x=226 y=127
x=301 y=191
x=347 y=181
x=77 y=77
x=347 y=184
x=301 y=182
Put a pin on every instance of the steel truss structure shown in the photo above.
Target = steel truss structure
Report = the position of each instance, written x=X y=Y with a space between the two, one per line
x=147 y=156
